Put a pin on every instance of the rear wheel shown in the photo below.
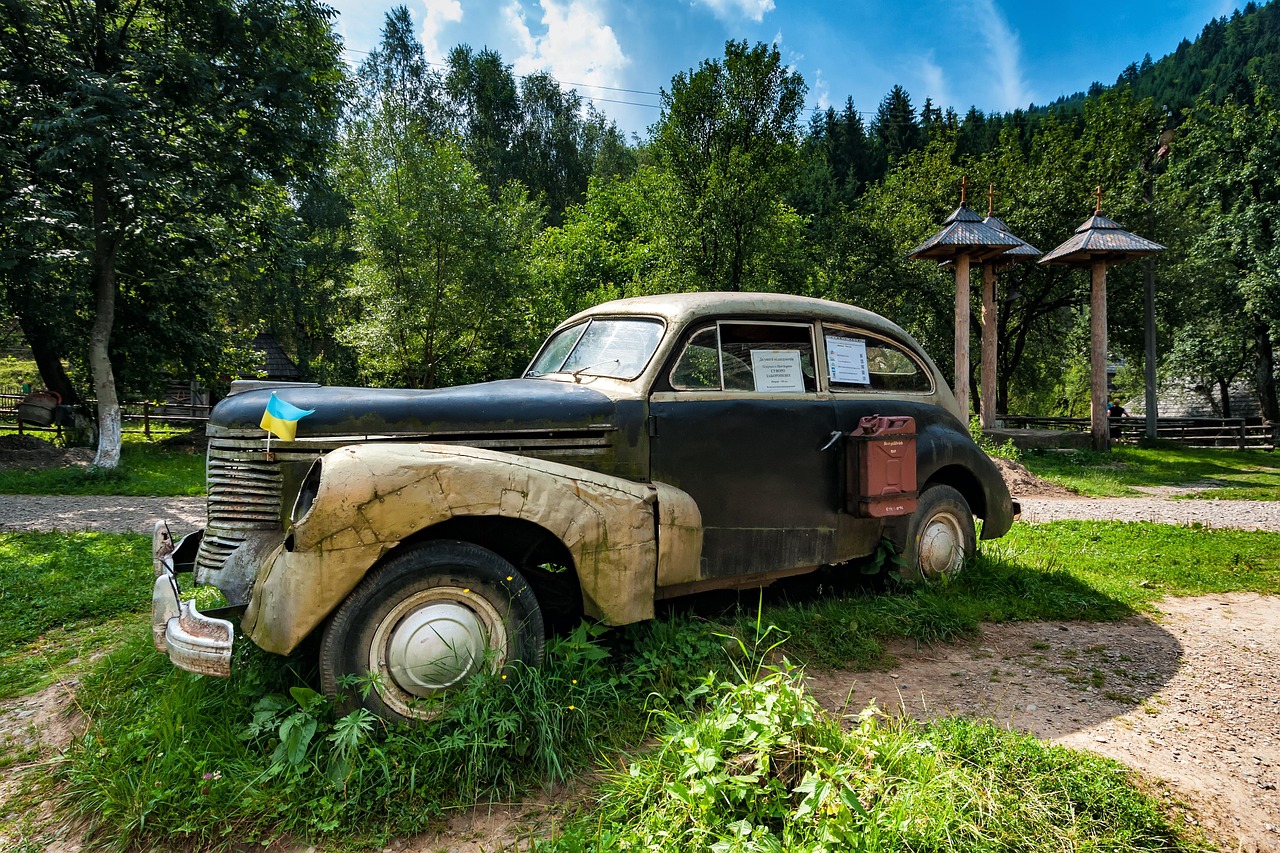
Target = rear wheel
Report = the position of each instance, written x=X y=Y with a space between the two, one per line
x=936 y=539
x=424 y=622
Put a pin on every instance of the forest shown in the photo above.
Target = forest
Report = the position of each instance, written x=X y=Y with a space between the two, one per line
x=177 y=178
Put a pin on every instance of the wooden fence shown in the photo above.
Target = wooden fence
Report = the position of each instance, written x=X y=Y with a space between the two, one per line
x=1240 y=433
x=142 y=415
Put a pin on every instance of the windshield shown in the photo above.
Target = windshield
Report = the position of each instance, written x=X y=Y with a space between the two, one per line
x=618 y=349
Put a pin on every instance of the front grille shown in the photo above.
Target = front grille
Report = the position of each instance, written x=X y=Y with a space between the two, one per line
x=245 y=486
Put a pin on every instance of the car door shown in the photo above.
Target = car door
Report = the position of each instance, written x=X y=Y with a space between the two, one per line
x=738 y=422
x=868 y=375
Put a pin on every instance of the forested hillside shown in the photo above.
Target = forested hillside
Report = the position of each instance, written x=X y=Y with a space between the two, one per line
x=419 y=225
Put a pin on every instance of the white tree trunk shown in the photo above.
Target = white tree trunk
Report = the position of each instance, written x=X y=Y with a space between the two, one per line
x=104 y=290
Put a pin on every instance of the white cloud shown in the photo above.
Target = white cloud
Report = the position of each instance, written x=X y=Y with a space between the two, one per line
x=732 y=10
x=439 y=13
x=1004 y=56
x=576 y=44
x=821 y=91
x=934 y=81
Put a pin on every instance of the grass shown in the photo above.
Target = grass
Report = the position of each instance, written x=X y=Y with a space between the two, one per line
x=64 y=598
x=1234 y=474
x=146 y=468
x=766 y=768
x=208 y=762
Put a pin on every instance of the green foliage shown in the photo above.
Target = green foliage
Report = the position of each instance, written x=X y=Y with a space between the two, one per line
x=728 y=139
x=766 y=768
x=133 y=168
x=220 y=762
x=62 y=598
x=1250 y=474
x=1005 y=450
x=15 y=371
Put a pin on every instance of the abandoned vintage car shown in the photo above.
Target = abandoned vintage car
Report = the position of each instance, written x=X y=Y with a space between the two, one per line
x=655 y=447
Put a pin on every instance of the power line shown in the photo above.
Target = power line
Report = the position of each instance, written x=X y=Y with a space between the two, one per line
x=563 y=83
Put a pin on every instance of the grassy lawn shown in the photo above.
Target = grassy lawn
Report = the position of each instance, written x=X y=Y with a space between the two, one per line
x=243 y=760
x=64 y=598
x=1225 y=474
x=146 y=468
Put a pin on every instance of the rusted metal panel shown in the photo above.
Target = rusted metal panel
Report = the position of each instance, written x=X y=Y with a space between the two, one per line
x=373 y=496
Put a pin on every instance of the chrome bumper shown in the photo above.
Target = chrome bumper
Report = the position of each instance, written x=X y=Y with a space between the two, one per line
x=193 y=641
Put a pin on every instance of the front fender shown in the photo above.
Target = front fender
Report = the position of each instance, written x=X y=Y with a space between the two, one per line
x=372 y=496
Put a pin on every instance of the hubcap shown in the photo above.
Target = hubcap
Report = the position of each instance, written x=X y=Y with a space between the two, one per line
x=941 y=549
x=431 y=641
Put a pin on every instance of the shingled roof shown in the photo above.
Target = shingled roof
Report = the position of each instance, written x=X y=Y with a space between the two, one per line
x=1101 y=239
x=964 y=233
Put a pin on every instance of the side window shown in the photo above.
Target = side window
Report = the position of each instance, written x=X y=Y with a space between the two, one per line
x=861 y=362
x=772 y=358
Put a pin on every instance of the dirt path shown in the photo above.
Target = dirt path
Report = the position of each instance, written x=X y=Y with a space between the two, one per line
x=1191 y=697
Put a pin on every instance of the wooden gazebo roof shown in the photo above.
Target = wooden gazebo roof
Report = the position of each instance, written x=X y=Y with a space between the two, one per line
x=1101 y=239
x=964 y=233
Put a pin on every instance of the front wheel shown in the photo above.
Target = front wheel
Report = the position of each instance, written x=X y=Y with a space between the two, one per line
x=425 y=621
x=936 y=539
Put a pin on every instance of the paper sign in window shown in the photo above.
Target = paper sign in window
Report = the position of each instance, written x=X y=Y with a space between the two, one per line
x=777 y=370
x=847 y=361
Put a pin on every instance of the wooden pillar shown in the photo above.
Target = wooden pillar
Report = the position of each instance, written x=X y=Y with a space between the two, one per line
x=1149 y=329
x=1098 y=357
x=962 y=335
x=988 y=345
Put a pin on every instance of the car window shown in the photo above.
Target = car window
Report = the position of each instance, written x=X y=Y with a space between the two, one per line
x=743 y=356
x=857 y=361
x=615 y=348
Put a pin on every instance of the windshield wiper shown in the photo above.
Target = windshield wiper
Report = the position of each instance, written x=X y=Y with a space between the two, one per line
x=581 y=370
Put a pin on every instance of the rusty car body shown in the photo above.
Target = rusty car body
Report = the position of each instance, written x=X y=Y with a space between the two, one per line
x=655 y=447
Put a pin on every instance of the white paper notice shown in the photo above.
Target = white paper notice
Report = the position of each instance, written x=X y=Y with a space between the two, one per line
x=847 y=361
x=777 y=370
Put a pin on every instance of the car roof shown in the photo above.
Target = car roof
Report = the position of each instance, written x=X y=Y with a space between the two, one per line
x=681 y=308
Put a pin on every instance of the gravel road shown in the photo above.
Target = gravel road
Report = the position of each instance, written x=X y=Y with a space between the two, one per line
x=106 y=514
x=1242 y=515
x=139 y=515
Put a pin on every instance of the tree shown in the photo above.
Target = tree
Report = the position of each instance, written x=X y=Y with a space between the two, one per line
x=441 y=258
x=728 y=135
x=1225 y=174
x=134 y=124
x=895 y=125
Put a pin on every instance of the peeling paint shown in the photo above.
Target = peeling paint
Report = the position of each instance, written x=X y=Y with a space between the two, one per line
x=371 y=497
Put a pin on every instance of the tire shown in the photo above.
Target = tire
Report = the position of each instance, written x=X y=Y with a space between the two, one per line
x=938 y=538
x=425 y=621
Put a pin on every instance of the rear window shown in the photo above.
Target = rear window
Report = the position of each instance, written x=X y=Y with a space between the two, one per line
x=768 y=358
x=857 y=361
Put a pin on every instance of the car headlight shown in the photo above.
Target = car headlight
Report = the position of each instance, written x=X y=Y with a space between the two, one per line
x=307 y=494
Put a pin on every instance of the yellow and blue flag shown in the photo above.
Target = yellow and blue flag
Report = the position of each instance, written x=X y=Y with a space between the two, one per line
x=281 y=418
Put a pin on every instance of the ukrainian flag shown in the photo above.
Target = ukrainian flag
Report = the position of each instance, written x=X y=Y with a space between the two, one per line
x=281 y=419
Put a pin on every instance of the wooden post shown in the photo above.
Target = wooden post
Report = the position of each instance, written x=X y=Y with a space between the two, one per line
x=988 y=345
x=1149 y=350
x=146 y=419
x=1098 y=358
x=962 y=336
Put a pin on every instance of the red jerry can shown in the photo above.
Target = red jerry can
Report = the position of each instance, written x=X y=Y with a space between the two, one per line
x=882 y=470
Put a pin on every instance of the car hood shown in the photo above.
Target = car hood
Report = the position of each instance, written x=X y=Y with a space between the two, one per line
x=490 y=407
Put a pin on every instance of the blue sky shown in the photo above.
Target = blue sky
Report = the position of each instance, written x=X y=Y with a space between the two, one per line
x=961 y=53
